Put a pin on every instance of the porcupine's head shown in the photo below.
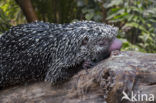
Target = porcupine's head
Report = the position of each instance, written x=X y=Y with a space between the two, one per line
x=96 y=38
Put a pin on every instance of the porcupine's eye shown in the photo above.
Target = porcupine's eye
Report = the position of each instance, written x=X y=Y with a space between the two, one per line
x=102 y=42
x=85 y=41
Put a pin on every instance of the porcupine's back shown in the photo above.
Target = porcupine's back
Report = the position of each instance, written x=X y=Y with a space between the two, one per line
x=32 y=51
x=26 y=51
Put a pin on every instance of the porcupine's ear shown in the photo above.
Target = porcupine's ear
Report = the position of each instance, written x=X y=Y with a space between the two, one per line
x=85 y=41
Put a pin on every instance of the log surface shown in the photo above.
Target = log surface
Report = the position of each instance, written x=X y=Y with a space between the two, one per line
x=129 y=71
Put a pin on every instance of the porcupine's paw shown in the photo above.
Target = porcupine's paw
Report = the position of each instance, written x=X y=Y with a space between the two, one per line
x=88 y=64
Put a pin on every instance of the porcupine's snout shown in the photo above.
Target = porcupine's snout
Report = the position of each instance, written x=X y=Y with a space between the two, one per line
x=116 y=45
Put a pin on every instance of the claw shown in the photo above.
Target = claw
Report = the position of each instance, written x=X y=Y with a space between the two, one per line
x=88 y=64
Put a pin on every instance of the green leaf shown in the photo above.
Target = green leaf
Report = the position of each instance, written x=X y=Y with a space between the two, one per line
x=89 y=16
x=119 y=12
x=114 y=3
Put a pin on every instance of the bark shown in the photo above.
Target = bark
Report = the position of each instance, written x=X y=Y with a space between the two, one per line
x=27 y=9
x=104 y=83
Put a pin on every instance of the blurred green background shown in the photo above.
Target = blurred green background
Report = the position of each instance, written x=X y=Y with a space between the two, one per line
x=135 y=18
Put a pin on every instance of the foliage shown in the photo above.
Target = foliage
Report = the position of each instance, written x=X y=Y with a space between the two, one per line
x=10 y=14
x=56 y=11
x=90 y=9
x=136 y=19
x=4 y=22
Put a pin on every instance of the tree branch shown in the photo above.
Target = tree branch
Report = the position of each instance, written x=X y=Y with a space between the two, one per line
x=27 y=9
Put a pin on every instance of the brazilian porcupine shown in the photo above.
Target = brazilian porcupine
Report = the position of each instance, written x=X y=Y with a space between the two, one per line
x=48 y=51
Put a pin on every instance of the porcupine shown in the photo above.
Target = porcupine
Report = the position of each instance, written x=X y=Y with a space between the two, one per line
x=48 y=51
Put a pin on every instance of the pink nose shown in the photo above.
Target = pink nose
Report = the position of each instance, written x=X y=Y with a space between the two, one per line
x=116 y=45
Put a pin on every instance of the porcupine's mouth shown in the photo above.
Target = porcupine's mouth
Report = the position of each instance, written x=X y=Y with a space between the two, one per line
x=101 y=55
x=104 y=54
